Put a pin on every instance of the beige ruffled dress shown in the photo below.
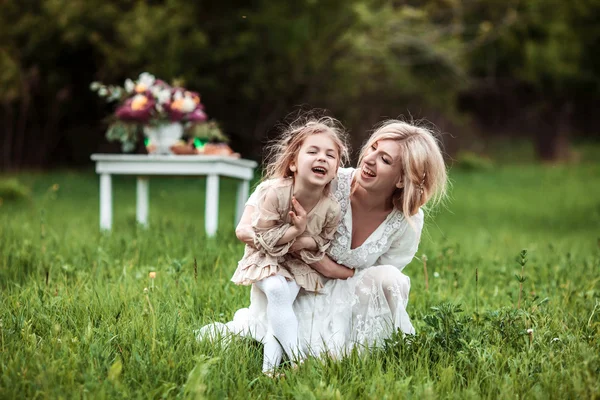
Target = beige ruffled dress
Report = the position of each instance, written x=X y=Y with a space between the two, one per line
x=269 y=222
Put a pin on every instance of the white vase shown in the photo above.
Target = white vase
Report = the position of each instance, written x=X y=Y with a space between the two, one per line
x=164 y=136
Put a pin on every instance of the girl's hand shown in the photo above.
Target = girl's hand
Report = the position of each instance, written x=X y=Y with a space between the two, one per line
x=298 y=218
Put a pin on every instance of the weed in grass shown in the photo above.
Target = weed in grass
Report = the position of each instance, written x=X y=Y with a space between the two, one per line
x=521 y=260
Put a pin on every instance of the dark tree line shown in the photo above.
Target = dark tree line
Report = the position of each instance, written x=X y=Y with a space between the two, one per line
x=473 y=68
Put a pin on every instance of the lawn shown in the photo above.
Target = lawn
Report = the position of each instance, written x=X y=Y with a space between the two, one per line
x=80 y=317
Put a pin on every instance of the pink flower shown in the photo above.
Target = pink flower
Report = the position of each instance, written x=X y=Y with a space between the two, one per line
x=197 y=115
x=136 y=109
x=174 y=114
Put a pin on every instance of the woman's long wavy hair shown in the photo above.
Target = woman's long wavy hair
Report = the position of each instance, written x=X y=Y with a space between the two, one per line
x=423 y=170
x=283 y=152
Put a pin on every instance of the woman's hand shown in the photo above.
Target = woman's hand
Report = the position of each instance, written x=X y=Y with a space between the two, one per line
x=330 y=269
x=298 y=217
x=304 y=243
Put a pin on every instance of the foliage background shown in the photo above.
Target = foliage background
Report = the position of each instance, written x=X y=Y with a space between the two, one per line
x=476 y=69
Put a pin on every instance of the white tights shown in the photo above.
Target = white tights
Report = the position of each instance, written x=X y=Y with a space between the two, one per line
x=282 y=334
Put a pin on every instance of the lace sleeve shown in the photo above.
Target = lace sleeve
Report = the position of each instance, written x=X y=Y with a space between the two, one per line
x=404 y=247
x=268 y=223
x=323 y=240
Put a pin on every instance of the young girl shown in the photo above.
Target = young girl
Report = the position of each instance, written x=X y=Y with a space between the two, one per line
x=293 y=207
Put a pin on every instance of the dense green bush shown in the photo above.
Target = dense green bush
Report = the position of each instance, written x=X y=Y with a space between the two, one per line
x=470 y=161
x=13 y=190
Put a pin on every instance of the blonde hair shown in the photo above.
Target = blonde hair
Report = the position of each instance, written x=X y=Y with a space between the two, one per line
x=424 y=175
x=284 y=150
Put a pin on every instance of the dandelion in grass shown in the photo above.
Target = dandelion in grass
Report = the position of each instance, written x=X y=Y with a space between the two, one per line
x=152 y=276
x=530 y=333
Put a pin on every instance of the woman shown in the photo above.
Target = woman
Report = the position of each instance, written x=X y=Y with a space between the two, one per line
x=400 y=169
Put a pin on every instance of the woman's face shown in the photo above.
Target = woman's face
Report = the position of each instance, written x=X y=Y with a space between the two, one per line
x=381 y=170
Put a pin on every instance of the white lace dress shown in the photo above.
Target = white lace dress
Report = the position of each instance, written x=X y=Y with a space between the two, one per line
x=359 y=311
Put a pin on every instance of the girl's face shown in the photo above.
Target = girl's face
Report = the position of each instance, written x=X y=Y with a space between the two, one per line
x=381 y=169
x=317 y=160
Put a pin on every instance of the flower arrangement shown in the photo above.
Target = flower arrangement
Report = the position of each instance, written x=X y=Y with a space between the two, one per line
x=149 y=103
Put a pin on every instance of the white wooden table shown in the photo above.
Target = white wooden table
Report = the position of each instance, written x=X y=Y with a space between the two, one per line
x=142 y=166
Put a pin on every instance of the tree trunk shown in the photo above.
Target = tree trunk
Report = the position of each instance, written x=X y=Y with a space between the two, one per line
x=8 y=138
x=21 y=128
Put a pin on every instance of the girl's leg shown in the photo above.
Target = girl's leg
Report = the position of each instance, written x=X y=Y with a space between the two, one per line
x=272 y=352
x=294 y=289
x=282 y=321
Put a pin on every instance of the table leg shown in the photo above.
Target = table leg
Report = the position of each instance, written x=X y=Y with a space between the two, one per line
x=242 y=196
x=141 y=210
x=105 y=202
x=211 y=214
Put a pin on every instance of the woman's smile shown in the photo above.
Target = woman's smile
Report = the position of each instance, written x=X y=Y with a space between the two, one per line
x=368 y=172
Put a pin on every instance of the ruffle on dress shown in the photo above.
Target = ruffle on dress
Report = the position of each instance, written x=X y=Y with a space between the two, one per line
x=264 y=259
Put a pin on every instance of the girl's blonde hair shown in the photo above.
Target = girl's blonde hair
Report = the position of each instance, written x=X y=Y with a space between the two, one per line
x=284 y=150
x=424 y=175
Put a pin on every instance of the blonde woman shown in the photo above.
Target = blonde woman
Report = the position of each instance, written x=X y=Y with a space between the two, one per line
x=400 y=169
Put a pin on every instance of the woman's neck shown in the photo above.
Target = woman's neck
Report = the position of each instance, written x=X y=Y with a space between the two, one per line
x=370 y=201
x=307 y=196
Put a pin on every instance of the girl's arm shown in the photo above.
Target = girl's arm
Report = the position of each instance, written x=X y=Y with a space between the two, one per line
x=312 y=249
x=304 y=243
x=298 y=220
x=272 y=234
x=244 y=231
x=330 y=269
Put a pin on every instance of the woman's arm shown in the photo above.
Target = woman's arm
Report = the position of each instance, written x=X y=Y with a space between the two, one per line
x=403 y=248
x=330 y=269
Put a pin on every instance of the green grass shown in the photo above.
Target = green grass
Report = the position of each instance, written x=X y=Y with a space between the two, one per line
x=75 y=320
